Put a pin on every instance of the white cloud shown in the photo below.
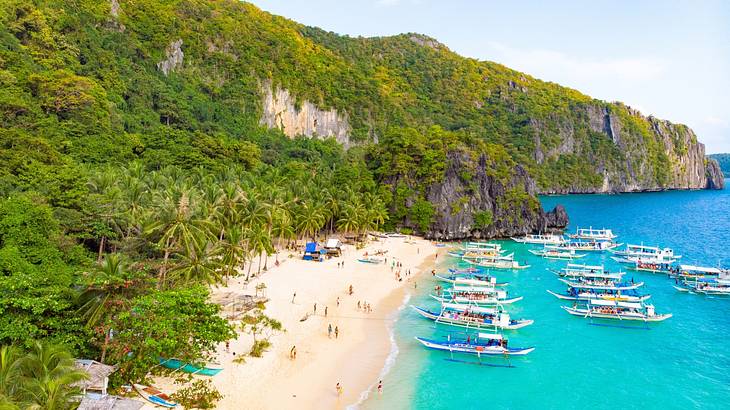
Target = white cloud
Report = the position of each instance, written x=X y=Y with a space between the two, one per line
x=716 y=121
x=539 y=61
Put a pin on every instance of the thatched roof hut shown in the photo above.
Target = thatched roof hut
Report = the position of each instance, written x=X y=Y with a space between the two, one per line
x=98 y=375
x=93 y=401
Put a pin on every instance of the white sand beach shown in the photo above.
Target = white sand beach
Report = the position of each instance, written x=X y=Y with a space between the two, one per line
x=354 y=358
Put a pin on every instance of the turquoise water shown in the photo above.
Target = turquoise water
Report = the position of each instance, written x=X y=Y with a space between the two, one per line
x=681 y=363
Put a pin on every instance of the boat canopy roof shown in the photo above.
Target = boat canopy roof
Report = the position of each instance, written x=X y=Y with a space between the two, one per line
x=579 y=266
x=702 y=269
x=469 y=288
x=470 y=308
x=491 y=336
x=601 y=302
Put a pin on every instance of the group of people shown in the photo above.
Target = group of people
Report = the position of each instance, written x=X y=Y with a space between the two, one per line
x=364 y=306
x=336 y=331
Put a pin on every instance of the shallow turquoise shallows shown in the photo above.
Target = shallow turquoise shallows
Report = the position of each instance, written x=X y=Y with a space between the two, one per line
x=681 y=363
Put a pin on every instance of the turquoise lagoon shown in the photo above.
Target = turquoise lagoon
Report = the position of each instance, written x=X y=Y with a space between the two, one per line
x=681 y=363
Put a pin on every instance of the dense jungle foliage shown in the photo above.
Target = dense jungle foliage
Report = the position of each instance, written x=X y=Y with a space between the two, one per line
x=724 y=161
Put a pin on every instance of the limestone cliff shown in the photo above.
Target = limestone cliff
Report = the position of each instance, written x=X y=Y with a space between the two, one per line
x=656 y=155
x=282 y=110
x=482 y=205
x=714 y=175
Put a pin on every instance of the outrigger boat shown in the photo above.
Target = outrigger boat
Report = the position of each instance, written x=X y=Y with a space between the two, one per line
x=601 y=284
x=540 y=239
x=475 y=295
x=473 y=317
x=588 y=246
x=655 y=267
x=466 y=271
x=609 y=309
x=556 y=253
x=649 y=260
x=594 y=234
x=579 y=294
x=706 y=286
x=371 y=259
x=575 y=271
x=646 y=252
x=209 y=369
x=471 y=280
x=154 y=396
x=697 y=272
x=489 y=344
x=477 y=249
x=488 y=262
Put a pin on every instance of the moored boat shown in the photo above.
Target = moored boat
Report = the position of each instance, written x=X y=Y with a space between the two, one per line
x=484 y=344
x=473 y=317
x=154 y=396
x=555 y=253
x=475 y=295
x=540 y=239
x=574 y=271
x=471 y=280
x=601 y=284
x=654 y=267
x=646 y=252
x=588 y=246
x=706 y=286
x=697 y=272
x=609 y=309
x=488 y=262
x=371 y=259
x=593 y=234
x=466 y=271
x=574 y=294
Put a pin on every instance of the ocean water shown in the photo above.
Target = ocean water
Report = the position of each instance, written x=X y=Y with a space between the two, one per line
x=681 y=363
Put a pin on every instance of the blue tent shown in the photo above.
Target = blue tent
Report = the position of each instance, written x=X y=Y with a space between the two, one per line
x=311 y=253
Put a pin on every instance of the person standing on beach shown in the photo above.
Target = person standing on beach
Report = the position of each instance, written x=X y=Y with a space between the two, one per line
x=329 y=331
x=293 y=353
x=325 y=311
x=293 y=297
x=315 y=308
x=337 y=332
x=338 y=301
x=339 y=389
x=358 y=305
x=380 y=387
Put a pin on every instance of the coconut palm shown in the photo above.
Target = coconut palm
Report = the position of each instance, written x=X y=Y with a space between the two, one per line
x=197 y=262
x=10 y=376
x=259 y=242
x=232 y=249
x=48 y=377
x=310 y=219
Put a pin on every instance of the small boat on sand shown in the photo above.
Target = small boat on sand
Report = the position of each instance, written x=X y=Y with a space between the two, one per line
x=209 y=369
x=154 y=396
x=371 y=259
x=488 y=344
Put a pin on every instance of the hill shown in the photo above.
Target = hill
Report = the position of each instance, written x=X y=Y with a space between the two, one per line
x=723 y=160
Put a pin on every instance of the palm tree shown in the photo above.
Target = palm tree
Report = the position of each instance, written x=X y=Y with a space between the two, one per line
x=259 y=242
x=109 y=290
x=197 y=262
x=177 y=225
x=232 y=249
x=48 y=377
x=9 y=375
x=310 y=219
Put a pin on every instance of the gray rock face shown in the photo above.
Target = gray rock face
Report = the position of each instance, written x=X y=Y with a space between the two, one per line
x=280 y=111
x=511 y=205
x=715 y=178
x=633 y=171
x=174 y=58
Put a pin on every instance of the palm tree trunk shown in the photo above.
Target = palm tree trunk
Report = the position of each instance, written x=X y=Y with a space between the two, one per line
x=101 y=248
x=260 y=254
x=163 y=268
x=104 y=347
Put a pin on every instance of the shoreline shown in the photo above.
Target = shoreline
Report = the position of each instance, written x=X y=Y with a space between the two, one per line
x=356 y=358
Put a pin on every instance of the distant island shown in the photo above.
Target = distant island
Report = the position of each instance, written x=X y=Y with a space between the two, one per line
x=724 y=161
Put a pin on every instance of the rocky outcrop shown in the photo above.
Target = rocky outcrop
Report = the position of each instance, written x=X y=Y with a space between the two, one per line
x=280 y=110
x=173 y=58
x=481 y=205
x=651 y=156
x=714 y=176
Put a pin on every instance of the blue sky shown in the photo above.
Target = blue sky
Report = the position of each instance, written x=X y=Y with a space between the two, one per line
x=666 y=58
